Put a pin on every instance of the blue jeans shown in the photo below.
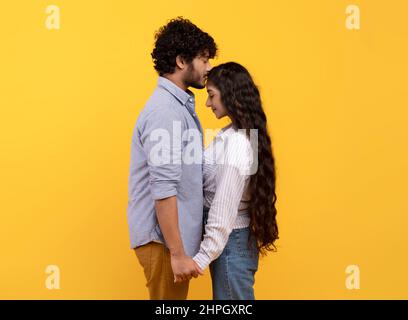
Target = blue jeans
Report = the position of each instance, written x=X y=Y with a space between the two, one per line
x=233 y=272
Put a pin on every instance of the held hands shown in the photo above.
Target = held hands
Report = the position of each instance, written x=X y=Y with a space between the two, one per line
x=184 y=267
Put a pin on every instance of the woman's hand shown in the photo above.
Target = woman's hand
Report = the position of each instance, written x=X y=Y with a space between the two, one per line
x=198 y=269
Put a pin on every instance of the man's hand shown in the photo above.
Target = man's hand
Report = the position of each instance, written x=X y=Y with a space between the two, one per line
x=184 y=267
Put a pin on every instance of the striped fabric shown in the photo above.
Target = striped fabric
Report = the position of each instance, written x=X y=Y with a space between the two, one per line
x=225 y=171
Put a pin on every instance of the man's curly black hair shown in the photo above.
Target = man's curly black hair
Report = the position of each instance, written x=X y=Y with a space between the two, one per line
x=180 y=37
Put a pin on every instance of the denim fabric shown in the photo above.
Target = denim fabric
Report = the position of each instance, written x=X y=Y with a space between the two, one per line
x=233 y=272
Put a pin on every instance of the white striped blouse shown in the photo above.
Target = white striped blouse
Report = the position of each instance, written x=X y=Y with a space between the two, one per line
x=226 y=168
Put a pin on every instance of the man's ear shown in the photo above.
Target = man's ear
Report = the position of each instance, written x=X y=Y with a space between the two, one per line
x=180 y=62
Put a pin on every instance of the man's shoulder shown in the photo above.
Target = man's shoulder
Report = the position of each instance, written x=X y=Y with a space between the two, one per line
x=161 y=104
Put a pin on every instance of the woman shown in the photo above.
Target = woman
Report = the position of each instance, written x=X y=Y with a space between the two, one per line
x=239 y=197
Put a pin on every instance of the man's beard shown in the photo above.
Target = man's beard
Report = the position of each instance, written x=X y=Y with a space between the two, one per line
x=193 y=78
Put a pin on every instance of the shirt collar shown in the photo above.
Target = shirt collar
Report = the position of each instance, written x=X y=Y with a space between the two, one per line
x=226 y=131
x=180 y=94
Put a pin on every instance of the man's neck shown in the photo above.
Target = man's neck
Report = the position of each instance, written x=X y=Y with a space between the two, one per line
x=176 y=80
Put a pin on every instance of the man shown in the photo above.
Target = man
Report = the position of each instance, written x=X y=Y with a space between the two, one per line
x=165 y=209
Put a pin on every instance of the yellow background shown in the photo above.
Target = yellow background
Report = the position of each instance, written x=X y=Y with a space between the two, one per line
x=336 y=102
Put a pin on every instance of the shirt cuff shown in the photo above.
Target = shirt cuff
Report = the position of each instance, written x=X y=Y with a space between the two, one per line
x=163 y=189
x=202 y=260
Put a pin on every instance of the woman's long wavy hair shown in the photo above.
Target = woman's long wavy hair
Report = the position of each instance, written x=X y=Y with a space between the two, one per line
x=240 y=96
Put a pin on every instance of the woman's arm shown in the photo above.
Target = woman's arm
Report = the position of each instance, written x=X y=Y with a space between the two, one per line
x=230 y=182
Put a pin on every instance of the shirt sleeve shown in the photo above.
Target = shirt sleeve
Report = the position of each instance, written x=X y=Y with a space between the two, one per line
x=162 y=144
x=230 y=184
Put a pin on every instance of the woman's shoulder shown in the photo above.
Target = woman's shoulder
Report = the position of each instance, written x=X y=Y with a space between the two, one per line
x=237 y=138
x=238 y=150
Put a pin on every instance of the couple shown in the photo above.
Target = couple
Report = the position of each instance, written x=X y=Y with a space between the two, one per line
x=184 y=217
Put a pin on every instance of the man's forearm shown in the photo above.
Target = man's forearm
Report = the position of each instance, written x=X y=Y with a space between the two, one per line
x=167 y=216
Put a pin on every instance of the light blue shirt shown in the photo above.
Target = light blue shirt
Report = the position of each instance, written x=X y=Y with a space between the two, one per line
x=171 y=111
